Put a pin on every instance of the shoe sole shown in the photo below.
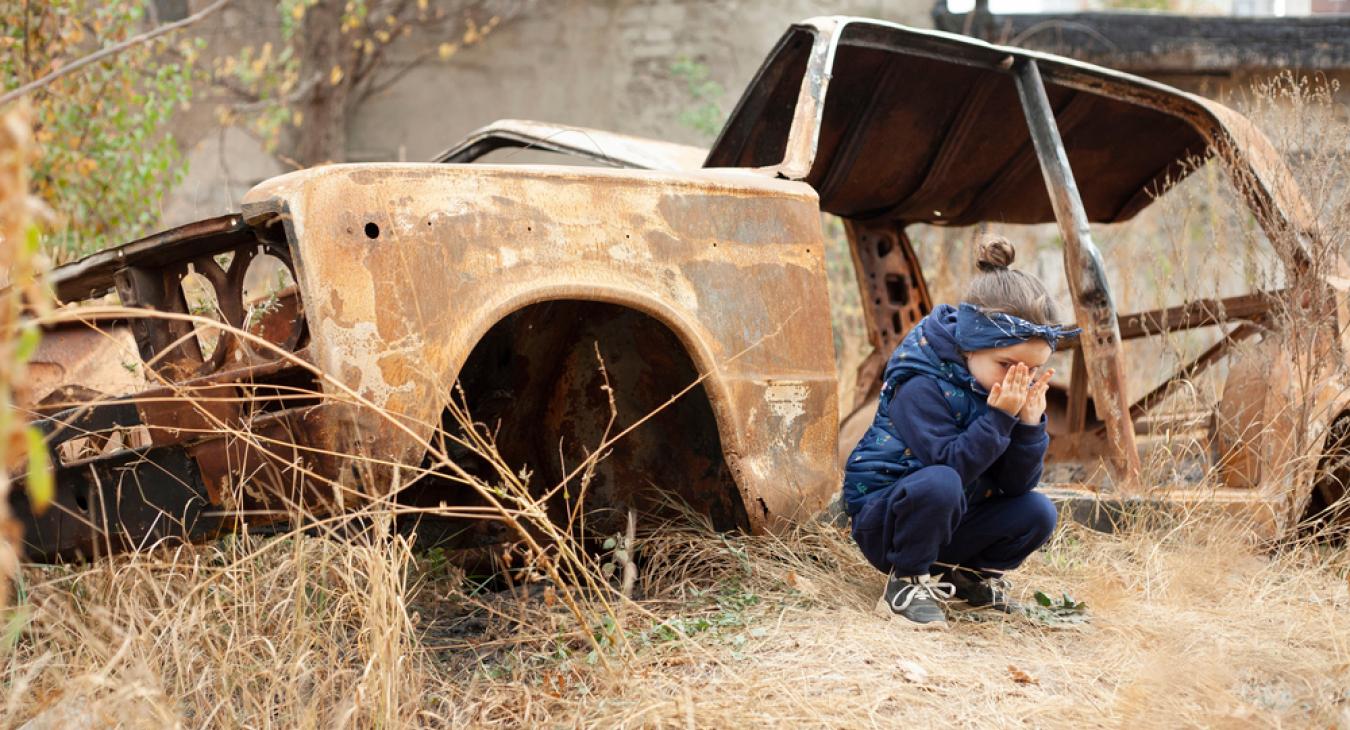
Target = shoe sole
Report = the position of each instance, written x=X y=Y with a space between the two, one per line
x=883 y=610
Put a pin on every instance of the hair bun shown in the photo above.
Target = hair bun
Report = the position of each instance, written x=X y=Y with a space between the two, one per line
x=995 y=253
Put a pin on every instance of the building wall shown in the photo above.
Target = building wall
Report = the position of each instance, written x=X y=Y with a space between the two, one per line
x=594 y=63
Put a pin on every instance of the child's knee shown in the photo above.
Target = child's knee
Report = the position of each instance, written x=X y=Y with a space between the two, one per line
x=1041 y=515
x=938 y=487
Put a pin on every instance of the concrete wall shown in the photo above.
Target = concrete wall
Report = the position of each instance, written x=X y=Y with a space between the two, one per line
x=592 y=63
x=595 y=63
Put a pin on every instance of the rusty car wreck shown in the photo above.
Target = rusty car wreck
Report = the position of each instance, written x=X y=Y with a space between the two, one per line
x=679 y=268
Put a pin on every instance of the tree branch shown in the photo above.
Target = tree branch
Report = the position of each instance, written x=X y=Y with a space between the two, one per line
x=363 y=64
x=111 y=51
x=373 y=87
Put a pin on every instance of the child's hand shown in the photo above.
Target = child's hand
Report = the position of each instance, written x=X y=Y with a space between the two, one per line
x=1010 y=395
x=1035 y=406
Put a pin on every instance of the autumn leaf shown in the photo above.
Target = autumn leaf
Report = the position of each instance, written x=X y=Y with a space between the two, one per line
x=1020 y=676
x=335 y=76
x=447 y=50
x=471 y=34
x=40 y=486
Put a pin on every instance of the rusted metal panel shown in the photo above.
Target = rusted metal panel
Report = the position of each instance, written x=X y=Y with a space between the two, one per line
x=76 y=362
x=945 y=86
x=893 y=292
x=708 y=255
x=615 y=150
x=93 y=275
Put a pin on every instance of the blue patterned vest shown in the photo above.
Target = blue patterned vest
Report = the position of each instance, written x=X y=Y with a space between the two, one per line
x=881 y=457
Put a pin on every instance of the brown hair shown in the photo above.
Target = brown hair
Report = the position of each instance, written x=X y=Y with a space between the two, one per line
x=998 y=288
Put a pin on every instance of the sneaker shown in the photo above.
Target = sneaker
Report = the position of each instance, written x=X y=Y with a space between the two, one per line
x=918 y=599
x=981 y=589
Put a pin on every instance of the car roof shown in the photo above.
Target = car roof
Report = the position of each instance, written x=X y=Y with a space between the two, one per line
x=926 y=126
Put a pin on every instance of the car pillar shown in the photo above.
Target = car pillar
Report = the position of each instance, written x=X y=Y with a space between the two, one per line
x=1100 y=342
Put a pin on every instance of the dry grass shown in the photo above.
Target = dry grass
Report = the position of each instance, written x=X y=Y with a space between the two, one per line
x=1190 y=626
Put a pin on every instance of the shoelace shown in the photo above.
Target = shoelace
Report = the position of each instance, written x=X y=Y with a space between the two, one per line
x=936 y=590
x=999 y=588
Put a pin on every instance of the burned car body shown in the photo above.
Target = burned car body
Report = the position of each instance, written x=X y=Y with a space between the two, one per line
x=413 y=280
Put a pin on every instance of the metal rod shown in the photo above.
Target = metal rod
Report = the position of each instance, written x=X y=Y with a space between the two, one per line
x=1092 y=304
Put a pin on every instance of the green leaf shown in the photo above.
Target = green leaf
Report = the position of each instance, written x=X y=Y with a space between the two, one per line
x=29 y=336
x=610 y=543
x=1043 y=599
x=40 y=486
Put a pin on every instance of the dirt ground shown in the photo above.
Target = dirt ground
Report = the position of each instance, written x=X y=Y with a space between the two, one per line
x=1186 y=626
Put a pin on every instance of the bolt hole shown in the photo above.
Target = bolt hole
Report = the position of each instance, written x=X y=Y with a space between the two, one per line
x=372 y=231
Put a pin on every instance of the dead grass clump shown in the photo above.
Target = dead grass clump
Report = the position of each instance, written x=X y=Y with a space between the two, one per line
x=1191 y=625
x=293 y=631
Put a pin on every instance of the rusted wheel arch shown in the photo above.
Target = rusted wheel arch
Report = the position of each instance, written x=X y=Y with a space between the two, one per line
x=534 y=379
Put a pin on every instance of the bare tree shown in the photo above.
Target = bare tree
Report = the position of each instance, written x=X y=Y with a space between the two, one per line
x=335 y=54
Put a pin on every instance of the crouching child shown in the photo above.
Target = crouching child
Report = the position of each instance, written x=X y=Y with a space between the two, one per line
x=940 y=488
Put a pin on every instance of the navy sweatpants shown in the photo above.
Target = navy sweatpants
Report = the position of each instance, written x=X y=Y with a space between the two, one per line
x=924 y=518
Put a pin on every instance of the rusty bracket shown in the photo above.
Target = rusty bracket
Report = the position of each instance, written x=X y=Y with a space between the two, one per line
x=1092 y=303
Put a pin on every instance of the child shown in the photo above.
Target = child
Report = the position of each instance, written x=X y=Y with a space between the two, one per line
x=942 y=481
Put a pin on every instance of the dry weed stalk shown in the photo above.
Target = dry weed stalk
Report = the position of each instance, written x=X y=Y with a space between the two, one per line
x=19 y=289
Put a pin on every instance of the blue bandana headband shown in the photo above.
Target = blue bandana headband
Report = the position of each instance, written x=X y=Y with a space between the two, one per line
x=979 y=330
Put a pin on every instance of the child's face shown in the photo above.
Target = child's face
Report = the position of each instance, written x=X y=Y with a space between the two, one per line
x=989 y=366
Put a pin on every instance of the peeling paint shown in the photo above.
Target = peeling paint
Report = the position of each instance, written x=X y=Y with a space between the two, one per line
x=786 y=399
x=360 y=348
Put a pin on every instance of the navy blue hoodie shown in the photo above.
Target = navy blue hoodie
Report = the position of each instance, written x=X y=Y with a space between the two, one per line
x=931 y=412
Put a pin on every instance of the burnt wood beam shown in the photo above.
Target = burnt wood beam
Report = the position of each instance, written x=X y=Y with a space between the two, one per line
x=1092 y=303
